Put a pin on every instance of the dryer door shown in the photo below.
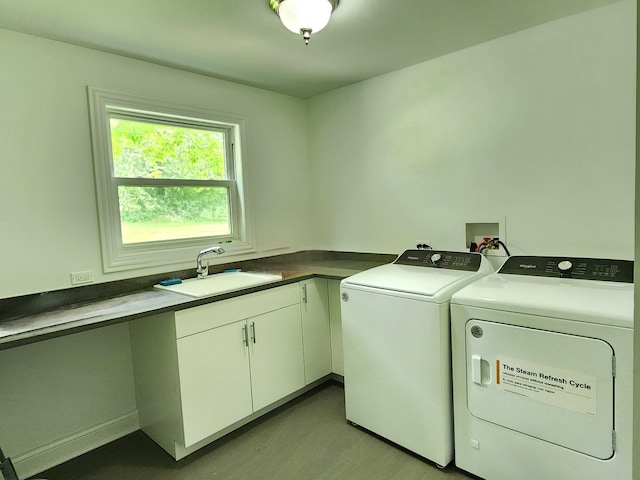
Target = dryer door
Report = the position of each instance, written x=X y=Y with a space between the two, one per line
x=552 y=386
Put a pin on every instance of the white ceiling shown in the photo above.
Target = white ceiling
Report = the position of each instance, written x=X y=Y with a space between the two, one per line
x=244 y=41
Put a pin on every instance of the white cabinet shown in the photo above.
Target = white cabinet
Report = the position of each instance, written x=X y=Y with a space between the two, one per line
x=315 y=329
x=228 y=372
x=335 y=316
x=277 y=363
x=200 y=371
x=215 y=380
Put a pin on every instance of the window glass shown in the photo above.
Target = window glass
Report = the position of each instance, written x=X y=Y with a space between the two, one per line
x=153 y=150
x=149 y=214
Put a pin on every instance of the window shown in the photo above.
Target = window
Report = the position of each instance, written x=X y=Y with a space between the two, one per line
x=169 y=180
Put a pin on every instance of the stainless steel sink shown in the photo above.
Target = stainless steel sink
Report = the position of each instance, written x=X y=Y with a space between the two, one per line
x=220 y=283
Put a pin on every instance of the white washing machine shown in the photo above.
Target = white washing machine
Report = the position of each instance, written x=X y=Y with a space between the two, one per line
x=543 y=368
x=397 y=350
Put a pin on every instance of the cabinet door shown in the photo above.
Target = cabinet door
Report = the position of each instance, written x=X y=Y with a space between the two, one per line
x=315 y=329
x=215 y=382
x=277 y=363
x=335 y=315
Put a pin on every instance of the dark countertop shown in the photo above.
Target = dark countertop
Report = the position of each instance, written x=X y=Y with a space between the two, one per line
x=36 y=317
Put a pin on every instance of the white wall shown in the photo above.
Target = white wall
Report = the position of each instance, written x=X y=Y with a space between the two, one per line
x=536 y=127
x=48 y=219
x=62 y=397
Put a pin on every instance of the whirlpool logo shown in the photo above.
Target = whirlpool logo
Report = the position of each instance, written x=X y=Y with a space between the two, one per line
x=527 y=266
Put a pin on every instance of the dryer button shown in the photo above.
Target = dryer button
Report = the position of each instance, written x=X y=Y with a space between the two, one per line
x=565 y=266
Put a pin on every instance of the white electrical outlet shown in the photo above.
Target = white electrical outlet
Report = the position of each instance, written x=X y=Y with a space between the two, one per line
x=81 y=277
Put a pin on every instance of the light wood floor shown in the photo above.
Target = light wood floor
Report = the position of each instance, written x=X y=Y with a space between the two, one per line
x=307 y=440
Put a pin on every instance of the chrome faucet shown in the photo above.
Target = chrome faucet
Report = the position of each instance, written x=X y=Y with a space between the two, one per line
x=204 y=271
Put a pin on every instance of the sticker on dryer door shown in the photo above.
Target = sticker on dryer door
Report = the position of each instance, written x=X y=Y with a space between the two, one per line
x=544 y=383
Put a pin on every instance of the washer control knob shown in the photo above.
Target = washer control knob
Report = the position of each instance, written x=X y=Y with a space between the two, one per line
x=435 y=258
x=565 y=267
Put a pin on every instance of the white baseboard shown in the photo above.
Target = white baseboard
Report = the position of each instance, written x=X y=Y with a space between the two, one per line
x=59 y=451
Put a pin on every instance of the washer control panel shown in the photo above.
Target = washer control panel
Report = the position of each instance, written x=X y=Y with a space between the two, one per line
x=469 y=262
x=569 y=267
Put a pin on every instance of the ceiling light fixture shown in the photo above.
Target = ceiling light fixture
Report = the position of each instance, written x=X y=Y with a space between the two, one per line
x=304 y=16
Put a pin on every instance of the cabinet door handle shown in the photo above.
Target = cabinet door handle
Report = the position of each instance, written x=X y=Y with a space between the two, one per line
x=245 y=336
x=304 y=293
x=253 y=331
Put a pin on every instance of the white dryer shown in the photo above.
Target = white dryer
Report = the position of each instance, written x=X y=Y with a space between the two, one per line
x=397 y=353
x=542 y=370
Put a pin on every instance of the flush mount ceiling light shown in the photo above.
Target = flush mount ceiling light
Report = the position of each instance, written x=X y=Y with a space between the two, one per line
x=304 y=16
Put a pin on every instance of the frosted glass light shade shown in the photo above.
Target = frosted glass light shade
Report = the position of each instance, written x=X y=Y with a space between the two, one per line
x=298 y=15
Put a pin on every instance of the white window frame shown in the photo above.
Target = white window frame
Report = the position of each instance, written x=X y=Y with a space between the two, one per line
x=117 y=256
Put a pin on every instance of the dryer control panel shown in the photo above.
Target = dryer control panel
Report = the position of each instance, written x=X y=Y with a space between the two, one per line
x=601 y=269
x=469 y=262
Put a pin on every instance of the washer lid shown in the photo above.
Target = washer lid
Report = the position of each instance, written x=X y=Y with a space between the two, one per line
x=436 y=283
x=608 y=303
